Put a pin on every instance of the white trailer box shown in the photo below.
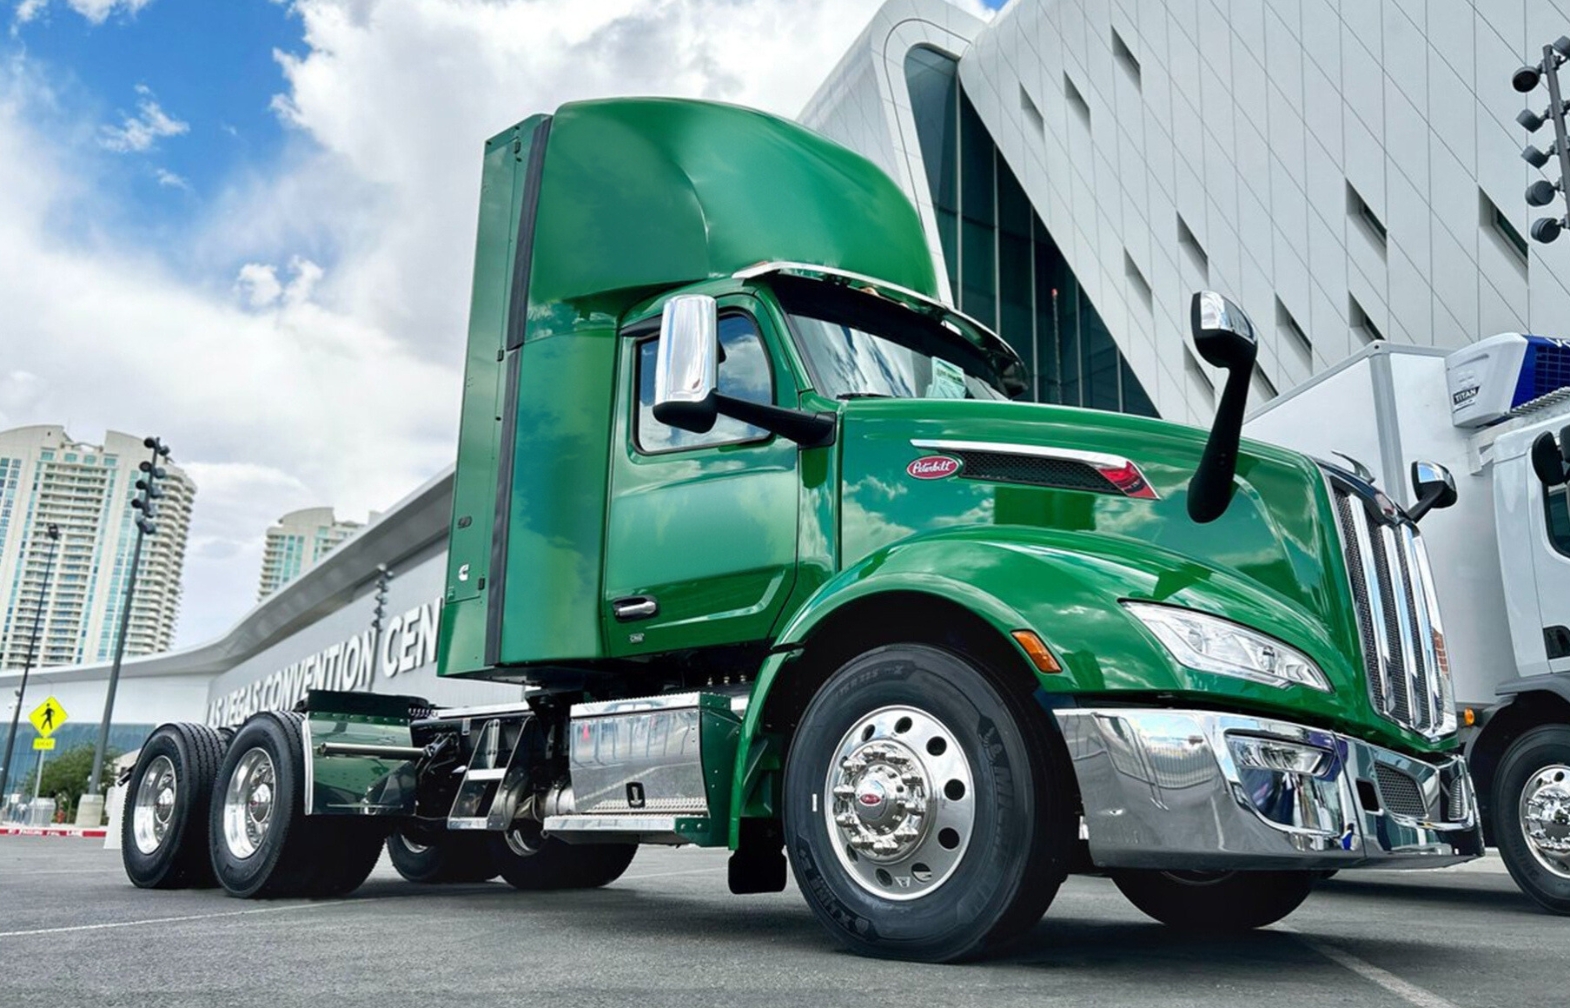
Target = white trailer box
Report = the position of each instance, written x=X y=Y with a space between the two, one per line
x=1386 y=407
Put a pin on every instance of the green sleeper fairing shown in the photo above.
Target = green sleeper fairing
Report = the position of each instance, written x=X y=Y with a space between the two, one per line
x=589 y=220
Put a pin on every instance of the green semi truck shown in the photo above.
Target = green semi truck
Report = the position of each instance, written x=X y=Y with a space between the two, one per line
x=785 y=571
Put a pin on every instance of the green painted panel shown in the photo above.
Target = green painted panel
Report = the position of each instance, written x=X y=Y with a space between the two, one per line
x=462 y=644
x=709 y=532
x=556 y=520
x=655 y=192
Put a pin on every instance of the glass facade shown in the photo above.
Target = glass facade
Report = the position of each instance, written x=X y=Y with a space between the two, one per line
x=1003 y=266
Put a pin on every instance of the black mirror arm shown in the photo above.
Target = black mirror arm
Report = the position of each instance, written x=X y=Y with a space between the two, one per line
x=1425 y=503
x=809 y=430
x=1210 y=489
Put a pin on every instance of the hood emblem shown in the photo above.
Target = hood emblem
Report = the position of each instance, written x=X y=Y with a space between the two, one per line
x=931 y=467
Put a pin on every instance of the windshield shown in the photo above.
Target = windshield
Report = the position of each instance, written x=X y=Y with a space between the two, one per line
x=859 y=345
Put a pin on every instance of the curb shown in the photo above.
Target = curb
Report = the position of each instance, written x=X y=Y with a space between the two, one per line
x=70 y=831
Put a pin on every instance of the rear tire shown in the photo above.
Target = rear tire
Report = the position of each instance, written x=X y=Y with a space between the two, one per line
x=163 y=830
x=926 y=814
x=263 y=844
x=1216 y=901
x=1531 y=811
x=446 y=857
x=529 y=861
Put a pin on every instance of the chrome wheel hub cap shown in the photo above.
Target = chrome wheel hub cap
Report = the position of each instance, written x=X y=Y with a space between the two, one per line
x=248 y=803
x=1545 y=818
x=153 y=812
x=899 y=802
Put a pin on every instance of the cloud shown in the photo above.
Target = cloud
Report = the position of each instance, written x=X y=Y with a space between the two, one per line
x=170 y=180
x=95 y=11
x=140 y=132
x=301 y=344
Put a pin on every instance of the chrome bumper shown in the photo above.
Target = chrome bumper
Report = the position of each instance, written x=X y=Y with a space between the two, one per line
x=1163 y=789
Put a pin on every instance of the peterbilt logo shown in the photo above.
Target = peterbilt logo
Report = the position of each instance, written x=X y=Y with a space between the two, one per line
x=930 y=467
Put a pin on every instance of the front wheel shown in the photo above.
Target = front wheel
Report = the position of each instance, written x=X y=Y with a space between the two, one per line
x=1216 y=901
x=925 y=816
x=1531 y=812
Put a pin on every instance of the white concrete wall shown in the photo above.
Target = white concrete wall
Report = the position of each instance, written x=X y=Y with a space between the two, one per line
x=1249 y=119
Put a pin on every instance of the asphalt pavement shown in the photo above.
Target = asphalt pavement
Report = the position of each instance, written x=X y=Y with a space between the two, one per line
x=74 y=932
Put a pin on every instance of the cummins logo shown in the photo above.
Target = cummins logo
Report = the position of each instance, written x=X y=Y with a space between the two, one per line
x=930 y=467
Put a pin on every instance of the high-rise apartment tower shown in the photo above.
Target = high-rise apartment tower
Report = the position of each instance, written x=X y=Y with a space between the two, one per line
x=298 y=541
x=85 y=489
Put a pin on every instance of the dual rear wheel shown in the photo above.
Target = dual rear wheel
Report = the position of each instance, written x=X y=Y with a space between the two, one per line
x=201 y=812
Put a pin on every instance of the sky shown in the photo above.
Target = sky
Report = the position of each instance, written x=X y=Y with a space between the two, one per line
x=246 y=226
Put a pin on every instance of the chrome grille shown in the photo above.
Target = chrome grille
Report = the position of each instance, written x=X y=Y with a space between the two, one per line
x=1397 y=617
x=1400 y=793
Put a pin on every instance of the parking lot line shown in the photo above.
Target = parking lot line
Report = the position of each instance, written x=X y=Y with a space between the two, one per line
x=1408 y=992
x=175 y=920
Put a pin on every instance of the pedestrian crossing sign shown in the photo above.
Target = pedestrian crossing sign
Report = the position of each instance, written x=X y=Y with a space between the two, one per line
x=48 y=716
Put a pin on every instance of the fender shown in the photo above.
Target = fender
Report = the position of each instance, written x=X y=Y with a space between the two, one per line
x=1065 y=586
x=365 y=783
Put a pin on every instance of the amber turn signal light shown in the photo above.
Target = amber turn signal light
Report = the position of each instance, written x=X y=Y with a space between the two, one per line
x=1039 y=655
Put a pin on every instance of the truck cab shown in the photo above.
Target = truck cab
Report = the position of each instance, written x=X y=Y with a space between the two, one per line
x=788 y=570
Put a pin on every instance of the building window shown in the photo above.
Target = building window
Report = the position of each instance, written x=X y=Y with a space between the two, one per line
x=1032 y=113
x=1511 y=241
x=1137 y=282
x=1192 y=249
x=1295 y=336
x=1125 y=57
x=1076 y=101
x=1198 y=377
x=1364 y=214
x=1362 y=326
x=1003 y=266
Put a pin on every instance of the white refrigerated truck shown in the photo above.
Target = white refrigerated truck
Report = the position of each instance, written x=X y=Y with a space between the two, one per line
x=1497 y=415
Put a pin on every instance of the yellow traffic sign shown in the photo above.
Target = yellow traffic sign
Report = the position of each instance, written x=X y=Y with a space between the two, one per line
x=43 y=743
x=47 y=717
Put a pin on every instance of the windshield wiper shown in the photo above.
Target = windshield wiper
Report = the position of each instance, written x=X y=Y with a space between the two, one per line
x=864 y=395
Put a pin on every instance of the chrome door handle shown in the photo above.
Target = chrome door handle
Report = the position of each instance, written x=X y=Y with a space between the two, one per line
x=635 y=607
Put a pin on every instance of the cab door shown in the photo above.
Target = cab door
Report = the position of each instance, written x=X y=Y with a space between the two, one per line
x=701 y=534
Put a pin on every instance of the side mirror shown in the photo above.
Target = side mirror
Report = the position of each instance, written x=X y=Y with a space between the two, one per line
x=1547 y=462
x=686 y=367
x=1224 y=337
x=1432 y=488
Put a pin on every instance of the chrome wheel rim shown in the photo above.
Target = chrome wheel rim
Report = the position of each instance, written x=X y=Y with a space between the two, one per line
x=899 y=802
x=153 y=812
x=1545 y=818
x=248 y=803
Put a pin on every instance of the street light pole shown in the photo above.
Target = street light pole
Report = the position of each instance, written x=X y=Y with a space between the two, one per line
x=53 y=532
x=145 y=526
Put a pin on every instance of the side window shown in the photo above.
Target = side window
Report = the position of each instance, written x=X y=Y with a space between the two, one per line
x=743 y=374
x=1557 y=500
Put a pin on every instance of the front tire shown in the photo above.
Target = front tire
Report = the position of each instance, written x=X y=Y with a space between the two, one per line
x=1531 y=810
x=925 y=815
x=163 y=830
x=528 y=860
x=1216 y=901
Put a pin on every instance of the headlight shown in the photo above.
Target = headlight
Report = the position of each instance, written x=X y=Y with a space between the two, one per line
x=1212 y=644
